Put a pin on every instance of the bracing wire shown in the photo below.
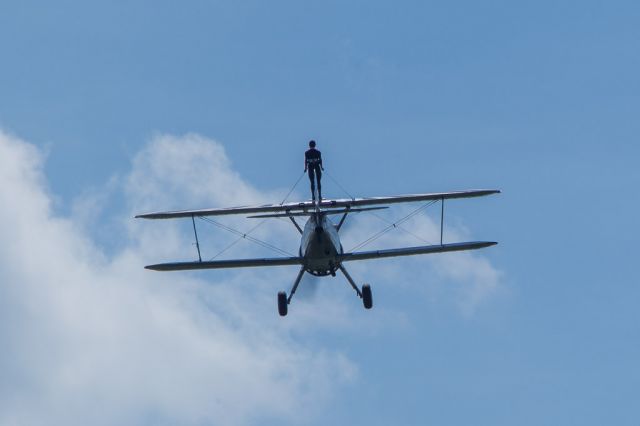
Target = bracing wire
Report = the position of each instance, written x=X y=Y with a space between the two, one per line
x=340 y=186
x=236 y=241
x=405 y=230
x=246 y=236
x=292 y=188
x=393 y=225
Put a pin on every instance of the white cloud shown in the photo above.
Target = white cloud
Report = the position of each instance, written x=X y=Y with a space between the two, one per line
x=90 y=337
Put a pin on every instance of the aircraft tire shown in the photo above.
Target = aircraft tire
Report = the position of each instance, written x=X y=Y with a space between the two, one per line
x=282 y=303
x=367 y=298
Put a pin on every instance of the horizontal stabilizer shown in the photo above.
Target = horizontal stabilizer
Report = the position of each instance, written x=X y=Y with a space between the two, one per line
x=338 y=211
x=410 y=251
x=220 y=264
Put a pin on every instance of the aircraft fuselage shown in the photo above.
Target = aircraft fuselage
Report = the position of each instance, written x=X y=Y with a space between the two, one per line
x=320 y=245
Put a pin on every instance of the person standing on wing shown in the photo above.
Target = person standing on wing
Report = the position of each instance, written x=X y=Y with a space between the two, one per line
x=313 y=164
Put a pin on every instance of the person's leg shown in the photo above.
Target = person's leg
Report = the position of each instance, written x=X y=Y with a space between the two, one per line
x=319 y=177
x=313 y=184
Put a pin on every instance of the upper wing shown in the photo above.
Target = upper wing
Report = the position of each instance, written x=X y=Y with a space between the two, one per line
x=302 y=206
x=371 y=201
x=219 y=264
x=409 y=251
x=309 y=206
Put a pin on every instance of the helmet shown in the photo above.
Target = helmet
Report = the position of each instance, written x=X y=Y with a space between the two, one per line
x=312 y=144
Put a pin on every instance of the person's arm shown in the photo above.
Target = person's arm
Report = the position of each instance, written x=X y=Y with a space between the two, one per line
x=321 y=167
x=305 y=162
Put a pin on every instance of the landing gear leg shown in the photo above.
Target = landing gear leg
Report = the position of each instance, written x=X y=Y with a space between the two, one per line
x=348 y=277
x=283 y=300
x=365 y=294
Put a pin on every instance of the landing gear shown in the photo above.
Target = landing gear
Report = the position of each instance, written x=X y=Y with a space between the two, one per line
x=282 y=303
x=283 y=300
x=367 y=299
x=365 y=294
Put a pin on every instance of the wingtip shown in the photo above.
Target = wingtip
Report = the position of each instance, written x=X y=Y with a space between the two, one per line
x=148 y=216
x=485 y=244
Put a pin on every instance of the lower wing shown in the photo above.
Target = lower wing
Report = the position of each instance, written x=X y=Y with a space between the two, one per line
x=346 y=257
x=232 y=263
x=410 y=251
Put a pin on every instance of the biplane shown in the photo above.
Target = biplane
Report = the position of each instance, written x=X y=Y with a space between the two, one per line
x=321 y=252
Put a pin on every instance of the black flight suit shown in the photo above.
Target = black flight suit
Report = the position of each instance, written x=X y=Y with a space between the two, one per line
x=313 y=164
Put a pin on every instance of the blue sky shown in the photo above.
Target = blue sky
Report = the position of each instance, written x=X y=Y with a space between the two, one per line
x=539 y=100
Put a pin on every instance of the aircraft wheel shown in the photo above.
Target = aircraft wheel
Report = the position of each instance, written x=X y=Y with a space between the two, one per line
x=367 y=298
x=282 y=303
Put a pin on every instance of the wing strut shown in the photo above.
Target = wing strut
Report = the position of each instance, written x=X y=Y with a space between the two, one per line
x=344 y=217
x=348 y=277
x=296 y=225
x=196 y=234
x=441 y=220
